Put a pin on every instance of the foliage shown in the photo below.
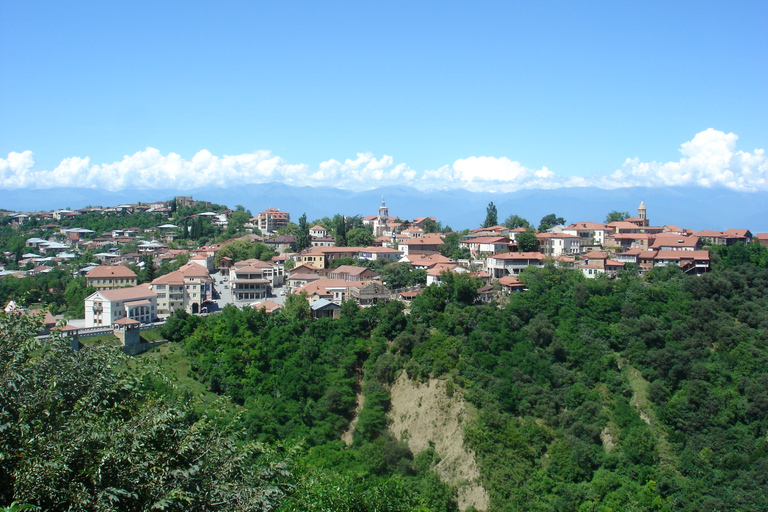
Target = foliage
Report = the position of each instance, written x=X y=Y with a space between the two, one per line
x=527 y=242
x=360 y=237
x=491 y=216
x=402 y=275
x=515 y=221
x=616 y=216
x=550 y=221
x=303 y=240
x=79 y=433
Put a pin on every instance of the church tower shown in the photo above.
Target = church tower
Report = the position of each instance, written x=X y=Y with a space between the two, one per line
x=383 y=218
x=641 y=214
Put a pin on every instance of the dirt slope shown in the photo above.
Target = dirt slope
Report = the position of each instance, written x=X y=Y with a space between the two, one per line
x=424 y=413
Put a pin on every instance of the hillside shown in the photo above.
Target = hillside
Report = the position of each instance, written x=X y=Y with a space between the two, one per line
x=634 y=393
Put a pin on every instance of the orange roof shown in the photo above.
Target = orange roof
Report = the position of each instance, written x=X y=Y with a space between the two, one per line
x=103 y=271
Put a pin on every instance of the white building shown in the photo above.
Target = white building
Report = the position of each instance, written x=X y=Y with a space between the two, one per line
x=105 y=307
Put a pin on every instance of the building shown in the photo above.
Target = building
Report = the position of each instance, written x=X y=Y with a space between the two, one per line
x=512 y=263
x=104 y=308
x=271 y=220
x=486 y=244
x=109 y=277
x=558 y=244
x=187 y=288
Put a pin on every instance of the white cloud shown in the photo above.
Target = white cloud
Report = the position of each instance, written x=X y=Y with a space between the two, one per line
x=710 y=159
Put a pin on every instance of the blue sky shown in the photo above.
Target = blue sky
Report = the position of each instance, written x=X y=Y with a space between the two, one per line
x=492 y=96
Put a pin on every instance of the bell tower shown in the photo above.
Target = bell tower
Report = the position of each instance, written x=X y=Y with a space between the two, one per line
x=641 y=214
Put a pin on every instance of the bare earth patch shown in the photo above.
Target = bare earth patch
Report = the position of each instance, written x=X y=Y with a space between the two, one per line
x=424 y=413
x=347 y=436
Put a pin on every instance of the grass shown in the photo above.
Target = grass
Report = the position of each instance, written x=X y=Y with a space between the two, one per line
x=173 y=363
x=644 y=406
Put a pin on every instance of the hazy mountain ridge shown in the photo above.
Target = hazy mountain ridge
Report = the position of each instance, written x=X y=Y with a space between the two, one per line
x=695 y=208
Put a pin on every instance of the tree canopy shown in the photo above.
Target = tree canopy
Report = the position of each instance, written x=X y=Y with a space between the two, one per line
x=491 y=217
x=550 y=221
x=616 y=216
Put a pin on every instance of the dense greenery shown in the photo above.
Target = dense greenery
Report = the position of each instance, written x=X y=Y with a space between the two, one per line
x=634 y=393
x=79 y=431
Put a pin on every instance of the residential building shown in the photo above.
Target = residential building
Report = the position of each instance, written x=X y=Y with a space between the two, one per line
x=558 y=244
x=187 y=288
x=512 y=263
x=104 y=307
x=271 y=220
x=430 y=243
x=109 y=277
x=486 y=244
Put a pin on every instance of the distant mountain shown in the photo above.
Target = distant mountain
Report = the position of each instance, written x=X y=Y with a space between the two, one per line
x=695 y=208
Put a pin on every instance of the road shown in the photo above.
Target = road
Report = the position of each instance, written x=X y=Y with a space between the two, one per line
x=224 y=296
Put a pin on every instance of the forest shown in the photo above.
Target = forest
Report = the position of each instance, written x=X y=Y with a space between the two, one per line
x=636 y=393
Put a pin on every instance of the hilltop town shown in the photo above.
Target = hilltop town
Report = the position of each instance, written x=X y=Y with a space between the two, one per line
x=136 y=264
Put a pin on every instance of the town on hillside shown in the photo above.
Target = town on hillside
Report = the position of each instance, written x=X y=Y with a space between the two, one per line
x=128 y=266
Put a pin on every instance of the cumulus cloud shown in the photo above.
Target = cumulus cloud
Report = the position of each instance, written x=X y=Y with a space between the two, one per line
x=710 y=159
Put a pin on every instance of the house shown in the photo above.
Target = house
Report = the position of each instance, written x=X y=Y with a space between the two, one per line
x=268 y=306
x=512 y=263
x=318 y=231
x=335 y=290
x=249 y=282
x=370 y=294
x=426 y=261
x=271 y=220
x=187 y=288
x=675 y=243
x=762 y=238
x=109 y=277
x=282 y=243
x=105 y=307
x=595 y=263
x=323 y=241
x=321 y=257
x=558 y=244
x=511 y=284
x=352 y=273
x=323 y=308
x=374 y=253
x=430 y=243
x=728 y=237
x=270 y=271
x=624 y=241
x=486 y=244
x=591 y=234
x=435 y=274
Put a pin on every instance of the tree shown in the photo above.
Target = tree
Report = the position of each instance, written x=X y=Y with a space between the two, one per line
x=491 y=217
x=515 y=221
x=340 y=227
x=81 y=432
x=360 y=237
x=527 y=242
x=303 y=239
x=616 y=216
x=550 y=221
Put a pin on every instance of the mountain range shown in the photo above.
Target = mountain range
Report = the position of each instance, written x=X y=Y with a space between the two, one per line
x=690 y=207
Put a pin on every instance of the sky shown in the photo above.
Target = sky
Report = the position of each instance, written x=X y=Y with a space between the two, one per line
x=483 y=96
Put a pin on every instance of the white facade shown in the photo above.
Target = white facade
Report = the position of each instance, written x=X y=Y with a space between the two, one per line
x=107 y=306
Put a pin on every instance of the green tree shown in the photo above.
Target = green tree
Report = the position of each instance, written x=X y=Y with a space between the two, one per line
x=340 y=228
x=360 y=237
x=527 y=242
x=79 y=433
x=491 y=216
x=616 y=216
x=515 y=221
x=303 y=240
x=550 y=221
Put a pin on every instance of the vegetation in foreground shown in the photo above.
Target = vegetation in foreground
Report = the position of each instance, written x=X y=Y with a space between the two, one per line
x=592 y=395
